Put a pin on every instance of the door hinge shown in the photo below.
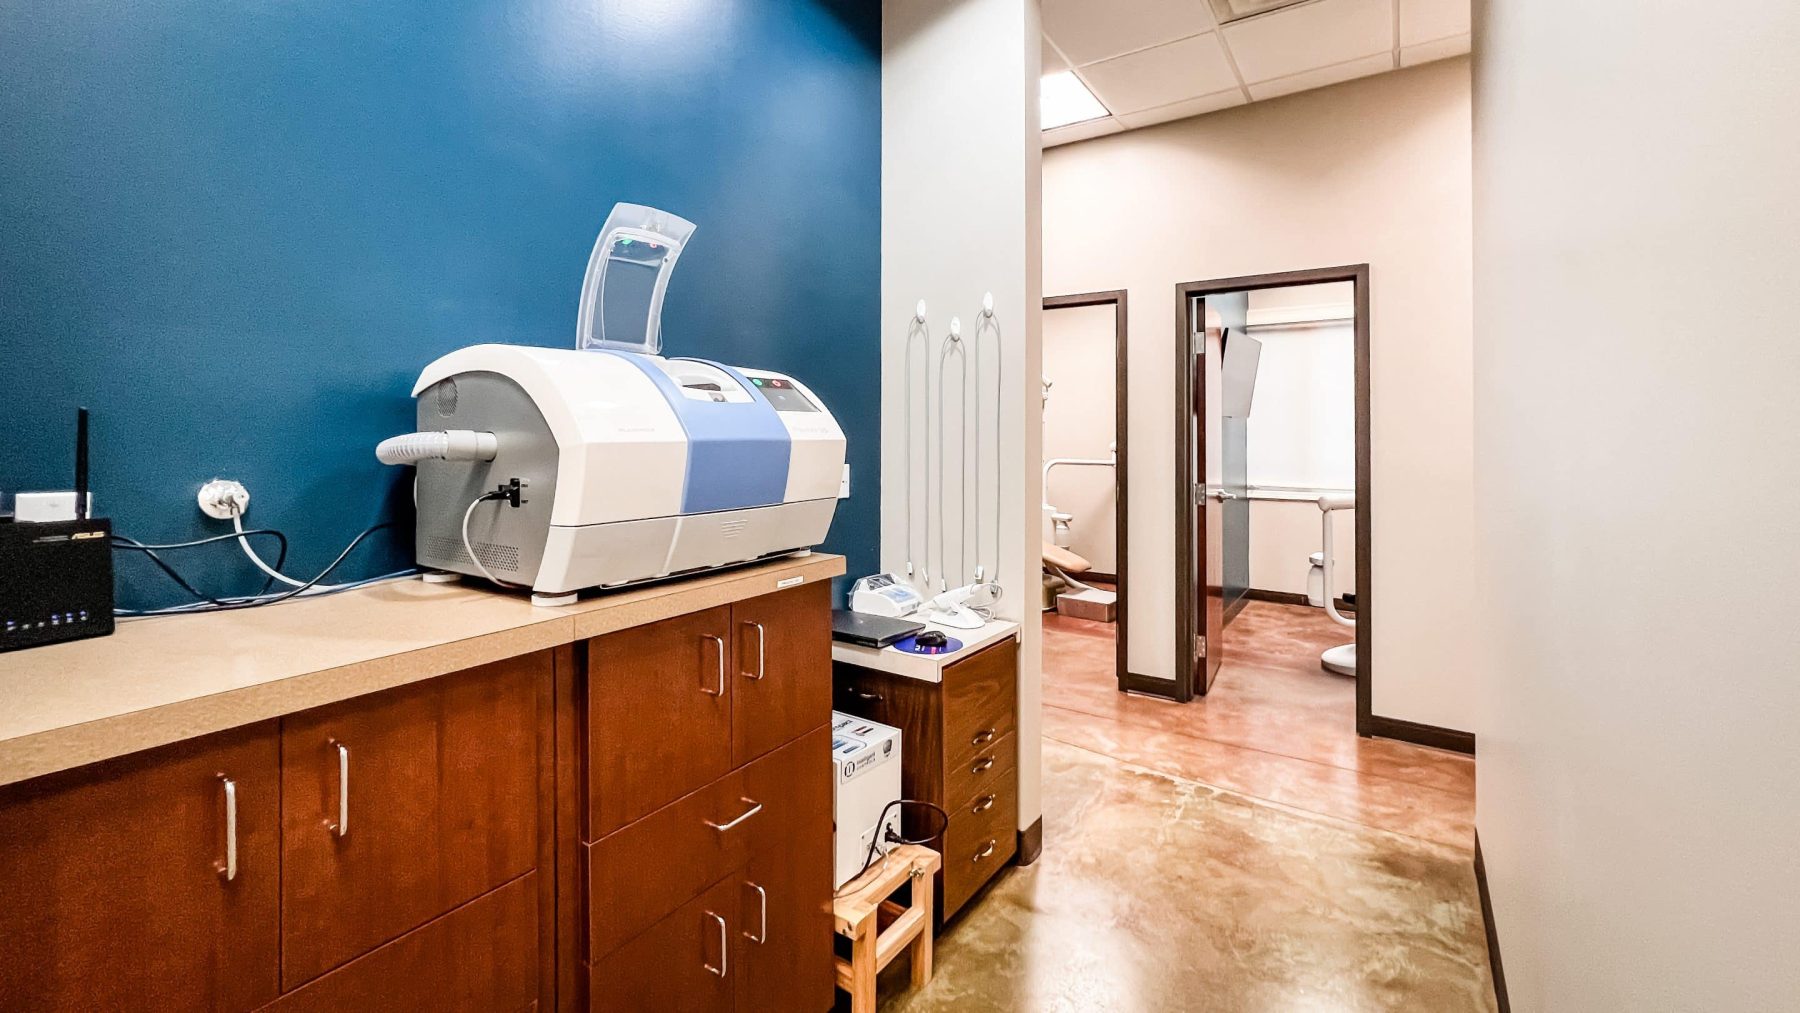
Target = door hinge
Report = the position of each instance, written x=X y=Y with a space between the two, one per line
x=1200 y=646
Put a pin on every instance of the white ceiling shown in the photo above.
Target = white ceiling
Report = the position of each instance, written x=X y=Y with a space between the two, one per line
x=1150 y=61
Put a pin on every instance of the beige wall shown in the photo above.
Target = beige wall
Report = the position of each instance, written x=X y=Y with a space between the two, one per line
x=1079 y=348
x=1638 y=461
x=1372 y=171
x=959 y=158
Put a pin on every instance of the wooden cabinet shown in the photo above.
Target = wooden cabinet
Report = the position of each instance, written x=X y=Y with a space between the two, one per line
x=659 y=715
x=718 y=897
x=399 y=806
x=148 y=882
x=682 y=962
x=959 y=750
x=783 y=663
x=639 y=822
x=785 y=925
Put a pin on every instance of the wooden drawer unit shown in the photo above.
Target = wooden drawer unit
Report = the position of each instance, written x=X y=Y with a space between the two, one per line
x=959 y=750
x=399 y=806
x=979 y=841
x=706 y=868
x=980 y=700
x=642 y=872
x=147 y=882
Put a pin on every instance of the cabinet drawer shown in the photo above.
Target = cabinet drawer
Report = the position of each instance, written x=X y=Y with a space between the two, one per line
x=980 y=773
x=977 y=845
x=639 y=874
x=682 y=962
x=659 y=715
x=399 y=806
x=979 y=700
x=482 y=956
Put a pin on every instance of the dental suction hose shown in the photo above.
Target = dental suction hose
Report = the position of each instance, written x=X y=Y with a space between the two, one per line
x=445 y=444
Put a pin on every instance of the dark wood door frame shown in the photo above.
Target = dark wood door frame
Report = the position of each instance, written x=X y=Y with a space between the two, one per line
x=1186 y=593
x=1121 y=535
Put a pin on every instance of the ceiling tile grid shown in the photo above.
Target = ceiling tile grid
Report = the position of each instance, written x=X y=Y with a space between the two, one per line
x=1151 y=61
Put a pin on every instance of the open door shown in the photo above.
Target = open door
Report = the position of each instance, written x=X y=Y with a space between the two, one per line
x=1200 y=578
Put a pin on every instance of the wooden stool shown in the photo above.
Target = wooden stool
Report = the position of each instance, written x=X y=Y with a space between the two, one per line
x=859 y=912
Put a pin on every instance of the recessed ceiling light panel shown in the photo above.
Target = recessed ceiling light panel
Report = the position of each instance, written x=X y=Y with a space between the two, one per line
x=1228 y=11
x=1063 y=99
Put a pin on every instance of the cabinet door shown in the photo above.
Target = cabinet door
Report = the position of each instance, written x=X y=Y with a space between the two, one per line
x=659 y=715
x=124 y=888
x=784 y=937
x=399 y=806
x=783 y=684
x=681 y=963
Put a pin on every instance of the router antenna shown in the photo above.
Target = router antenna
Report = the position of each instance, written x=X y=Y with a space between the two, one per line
x=81 y=464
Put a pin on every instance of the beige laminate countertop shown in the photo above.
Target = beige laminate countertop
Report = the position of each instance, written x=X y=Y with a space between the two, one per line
x=162 y=680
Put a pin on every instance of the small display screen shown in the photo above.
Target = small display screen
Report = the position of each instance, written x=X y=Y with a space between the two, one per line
x=783 y=395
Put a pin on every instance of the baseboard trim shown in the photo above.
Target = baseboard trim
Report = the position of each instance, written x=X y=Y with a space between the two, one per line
x=1132 y=682
x=1278 y=597
x=1031 y=842
x=1422 y=734
x=1493 y=937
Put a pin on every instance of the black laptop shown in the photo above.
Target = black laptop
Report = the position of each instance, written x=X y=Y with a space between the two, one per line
x=869 y=631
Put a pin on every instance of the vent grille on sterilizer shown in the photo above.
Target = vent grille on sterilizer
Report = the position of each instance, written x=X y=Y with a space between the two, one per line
x=446 y=397
x=493 y=555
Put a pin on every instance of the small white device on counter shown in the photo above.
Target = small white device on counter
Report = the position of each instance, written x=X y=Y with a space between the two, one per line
x=867 y=757
x=884 y=594
x=561 y=469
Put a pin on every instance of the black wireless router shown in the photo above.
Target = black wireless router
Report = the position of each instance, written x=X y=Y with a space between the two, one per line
x=56 y=577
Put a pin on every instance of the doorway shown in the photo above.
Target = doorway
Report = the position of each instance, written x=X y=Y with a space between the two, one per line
x=1213 y=490
x=1085 y=475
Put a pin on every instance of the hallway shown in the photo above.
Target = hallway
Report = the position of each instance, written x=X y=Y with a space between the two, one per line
x=1243 y=852
x=1275 y=727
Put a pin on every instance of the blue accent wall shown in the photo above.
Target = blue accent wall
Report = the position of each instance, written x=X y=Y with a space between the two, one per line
x=237 y=230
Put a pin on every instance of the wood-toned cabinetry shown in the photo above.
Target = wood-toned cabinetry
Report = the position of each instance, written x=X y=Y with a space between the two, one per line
x=391 y=837
x=637 y=821
x=958 y=750
x=148 y=882
x=708 y=861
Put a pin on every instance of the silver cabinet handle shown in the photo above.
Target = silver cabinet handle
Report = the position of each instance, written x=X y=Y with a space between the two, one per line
x=718 y=642
x=342 y=826
x=755 y=807
x=762 y=932
x=229 y=869
x=723 y=951
x=984 y=852
x=980 y=765
x=983 y=737
x=762 y=639
x=986 y=803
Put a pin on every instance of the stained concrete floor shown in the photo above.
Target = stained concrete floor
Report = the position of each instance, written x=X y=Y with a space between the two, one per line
x=1246 y=852
x=1155 y=893
x=1276 y=726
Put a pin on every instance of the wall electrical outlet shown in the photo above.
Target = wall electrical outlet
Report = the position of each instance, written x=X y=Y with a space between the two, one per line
x=222 y=499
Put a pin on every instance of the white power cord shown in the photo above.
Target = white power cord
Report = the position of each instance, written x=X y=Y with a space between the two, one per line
x=237 y=524
x=470 y=548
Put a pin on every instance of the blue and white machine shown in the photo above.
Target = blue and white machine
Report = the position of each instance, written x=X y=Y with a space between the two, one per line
x=629 y=466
